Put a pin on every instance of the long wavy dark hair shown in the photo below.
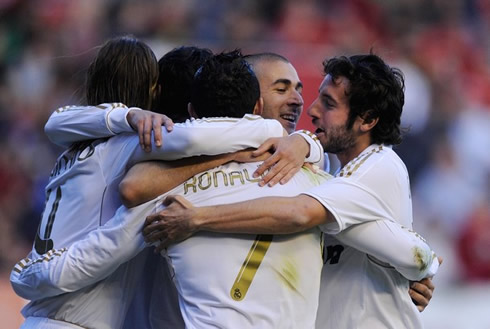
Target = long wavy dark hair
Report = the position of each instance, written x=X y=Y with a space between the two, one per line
x=125 y=70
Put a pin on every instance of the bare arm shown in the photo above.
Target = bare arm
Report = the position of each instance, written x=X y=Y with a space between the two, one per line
x=147 y=180
x=270 y=215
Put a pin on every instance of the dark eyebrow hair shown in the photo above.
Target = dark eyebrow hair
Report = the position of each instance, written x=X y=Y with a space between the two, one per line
x=329 y=98
x=287 y=82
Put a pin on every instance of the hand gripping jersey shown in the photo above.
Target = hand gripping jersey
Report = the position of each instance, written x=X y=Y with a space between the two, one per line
x=82 y=194
x=369 y=292
x=60 y=270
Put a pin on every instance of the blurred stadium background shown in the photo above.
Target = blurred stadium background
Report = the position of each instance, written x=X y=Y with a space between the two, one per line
x=443 y=47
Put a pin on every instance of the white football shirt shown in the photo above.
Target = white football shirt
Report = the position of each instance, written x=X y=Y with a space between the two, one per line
x=82 y=195
x=368 y=293
x=244 y=280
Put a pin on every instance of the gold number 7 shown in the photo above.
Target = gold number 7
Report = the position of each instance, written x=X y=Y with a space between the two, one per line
x=250 y=266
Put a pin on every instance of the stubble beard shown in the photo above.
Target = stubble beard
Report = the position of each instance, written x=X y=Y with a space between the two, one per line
x=338 y=139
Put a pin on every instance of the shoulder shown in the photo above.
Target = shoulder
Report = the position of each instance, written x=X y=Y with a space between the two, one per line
x=378 y=161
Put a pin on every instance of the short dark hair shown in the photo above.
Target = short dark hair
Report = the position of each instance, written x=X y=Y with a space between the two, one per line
x=266 y=56
x=125 y=70
x=177 y=69
x=375 y=90
x=225 y=86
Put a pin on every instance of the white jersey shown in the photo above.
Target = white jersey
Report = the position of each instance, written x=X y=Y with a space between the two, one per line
x=231 y=290
x=84 y=184
x=100 y=253
x=368 y=293
x=244 y=280
x=92 y=259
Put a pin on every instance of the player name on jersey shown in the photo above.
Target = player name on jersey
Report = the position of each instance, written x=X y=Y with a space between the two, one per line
x=218 y=178
x=78 y=152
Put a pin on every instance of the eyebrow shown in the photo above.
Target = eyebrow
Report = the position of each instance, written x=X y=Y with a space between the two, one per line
x=329 y=98
x=288 y=82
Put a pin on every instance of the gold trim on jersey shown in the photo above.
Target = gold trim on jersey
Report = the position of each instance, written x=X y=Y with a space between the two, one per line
x=27 y=262
x=104 y=106
x=250 y=266
x=309 y=133
x=354 y=164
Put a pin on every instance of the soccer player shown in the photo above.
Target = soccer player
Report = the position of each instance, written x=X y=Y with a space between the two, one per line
x=281 y=90
x=357 y=114
x=84 y=182
x=238 y=178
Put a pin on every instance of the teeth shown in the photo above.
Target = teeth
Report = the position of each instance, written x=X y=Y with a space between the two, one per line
x=289 y=117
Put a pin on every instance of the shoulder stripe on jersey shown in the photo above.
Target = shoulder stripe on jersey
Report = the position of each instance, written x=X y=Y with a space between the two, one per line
x=27 y=262
x=354 y=165
x=64 y=108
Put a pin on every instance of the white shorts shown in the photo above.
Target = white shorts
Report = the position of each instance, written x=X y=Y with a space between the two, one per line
x=45 y=323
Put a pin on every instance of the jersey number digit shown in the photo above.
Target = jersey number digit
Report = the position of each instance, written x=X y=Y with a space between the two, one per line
x=250 y=266
x=45 y=244
x=333 y=254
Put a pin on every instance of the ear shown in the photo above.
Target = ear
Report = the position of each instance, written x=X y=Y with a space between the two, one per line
x=191 y=111
x=259 y=106
x=368 y=123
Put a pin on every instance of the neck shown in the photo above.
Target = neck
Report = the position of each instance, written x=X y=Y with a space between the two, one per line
x=351 y=153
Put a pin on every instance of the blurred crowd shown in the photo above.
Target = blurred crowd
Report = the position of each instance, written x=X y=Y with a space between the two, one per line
x=442 y=47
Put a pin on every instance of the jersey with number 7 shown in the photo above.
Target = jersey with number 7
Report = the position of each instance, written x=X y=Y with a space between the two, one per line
x=246 y=280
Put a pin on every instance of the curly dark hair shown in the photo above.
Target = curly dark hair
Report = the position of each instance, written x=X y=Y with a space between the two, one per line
x=375 y=90
x=177 y=70
x=225 y=86
x=125 y=70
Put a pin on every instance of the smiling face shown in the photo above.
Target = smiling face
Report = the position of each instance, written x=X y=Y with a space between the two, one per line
x=330 y=113
x=281 y=90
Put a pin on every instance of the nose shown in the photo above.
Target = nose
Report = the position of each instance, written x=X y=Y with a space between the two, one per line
x=313 y=110
x=297 y=98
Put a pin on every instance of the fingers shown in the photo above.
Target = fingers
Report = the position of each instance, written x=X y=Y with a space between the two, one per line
x=282 y=176
x=157 y=131
x=146 y=122
x=140 y=127
x=428 y=284
x=160 y=120
x=422 y=289
x=168 y=123
x=151 y=231
x=418 y=300
x=290 y=173
x=421 y=293
x=266 y=165
x=147 y=128
x=266 y=146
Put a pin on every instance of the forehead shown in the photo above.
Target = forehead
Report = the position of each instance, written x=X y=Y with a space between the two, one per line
x=335 y=88
x=340 y=84
x=269 y=71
